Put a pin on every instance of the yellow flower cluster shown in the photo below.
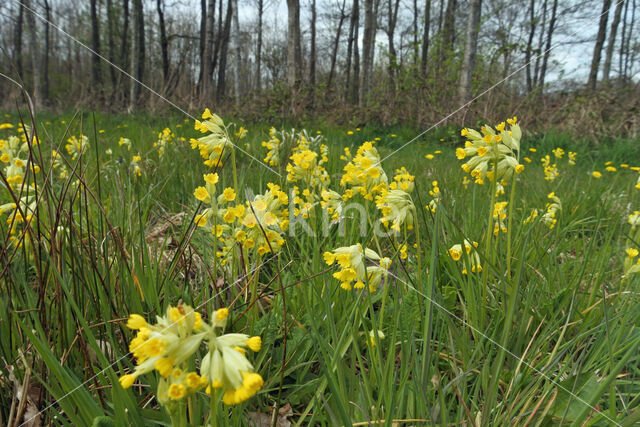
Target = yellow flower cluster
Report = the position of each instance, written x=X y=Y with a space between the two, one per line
x=165 y=137
x=494 y=152
x=136 y=170
x=363 y=174
x=126 y=142
x=435 y=193
x=306 y=168
x=396 y=206
x=77 y=146
x=553 y=207
x=351 y=260
x=213 y=146
x=403 y=180
x=499 y=216
x=471 y=258
x=167 y=347
x=332 y=202
x=273 y=147
x=13 y=156
x=256 y=225
x=550 y=169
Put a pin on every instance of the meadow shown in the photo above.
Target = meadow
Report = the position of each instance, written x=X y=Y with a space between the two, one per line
x=158 y=270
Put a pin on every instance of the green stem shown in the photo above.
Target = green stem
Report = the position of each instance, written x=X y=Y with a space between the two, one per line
x=510 y=223
x=487 y=253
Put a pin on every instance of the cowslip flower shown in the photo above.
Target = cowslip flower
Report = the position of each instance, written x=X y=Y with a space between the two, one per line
x=396 y=206
x=550 y=169
x=77 y=146
x=351 y=260
x=212 y=146
x=402 y=180
x=225 y=366
x=273 y=147
x=494 y=153
x=499 y=216
x=174 y=338
x=364 y=174
x=169 y=344
x=553 y=207
x=471 y=259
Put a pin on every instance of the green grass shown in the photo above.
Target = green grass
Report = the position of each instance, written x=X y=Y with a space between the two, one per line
x=546 y=336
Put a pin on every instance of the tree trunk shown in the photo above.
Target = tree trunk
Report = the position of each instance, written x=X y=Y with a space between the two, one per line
x=95 y=46
x=368 y=43
x=392 y=11
x=237 y=53
x=124 y=46
x=539 y=52
x=35 y=54
x=612 y=41
x=18 y=39
x=547 y=49
x=224 y=48
x=351 y=86
x=202 y=46
x=164 y=43
x=425 y=37
x=259 y=47
x=111 y=45
x=336 y=44
x=623 y=40
x=527 y=54
x=449 y=28
x=629 y=54
x=470 y=50
x=137 y=53
x=294 y=56
x=415 y=32
x=597 y=50
x=47 y=48
x=312 y=54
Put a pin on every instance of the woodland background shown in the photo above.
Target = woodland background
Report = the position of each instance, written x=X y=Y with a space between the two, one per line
x=351 y=62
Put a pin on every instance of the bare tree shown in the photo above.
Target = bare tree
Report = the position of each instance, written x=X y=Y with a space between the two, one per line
x=529 y=48
x=597 y=50
x=111 y=44
x=259 y=46
x=392 y=19
x=17 y=47
x=470 y=50
x=352 y=84
x=47 y=49
x=237 y=56
x=34 y=47
x=448 y=28
x=224 y=49
x=312 y=54
x=203 y=45
x=164 y=43
x=425 y=37
x=137 y=53
x=547 y=49
x=368 y=43
x=95 y=46
x=612 y=41
x=294 y=54
x=336 y=43
x=124 y=46
x=540 y=47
